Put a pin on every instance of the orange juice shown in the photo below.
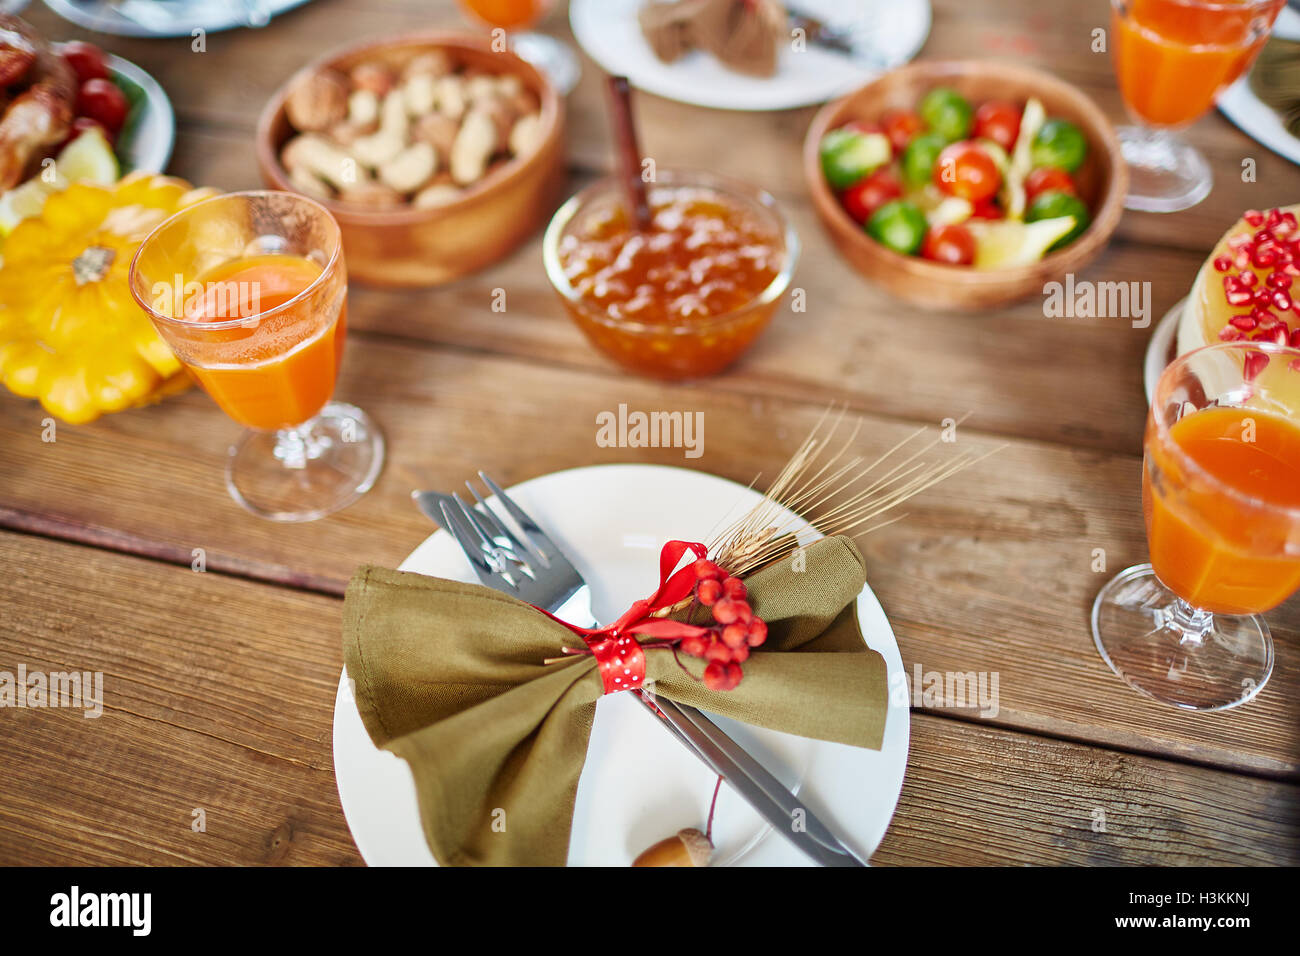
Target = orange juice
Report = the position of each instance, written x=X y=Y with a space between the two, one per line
x=282 y=380
x=1216 y=551
x=507 y=14
x=1173 y=57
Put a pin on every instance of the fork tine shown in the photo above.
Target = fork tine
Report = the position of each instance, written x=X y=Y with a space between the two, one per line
x=546 y=548
x=480 y=527
x=517 y=545
x=457 y=522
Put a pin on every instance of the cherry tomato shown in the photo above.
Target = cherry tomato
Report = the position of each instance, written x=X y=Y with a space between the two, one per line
x=866 y=196
x=952 y=244
x=1048 y=179
x=965 y=170
x=862 y=126
x=103 y=102
x=986 y=209
x=999 y=121
x=901 y=126
x=86 y=60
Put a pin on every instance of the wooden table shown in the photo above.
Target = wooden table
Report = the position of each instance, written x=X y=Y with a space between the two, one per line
x=220 y=685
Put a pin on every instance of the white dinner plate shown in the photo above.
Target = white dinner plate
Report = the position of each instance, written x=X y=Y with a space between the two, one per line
x=1160 y=347
x=169 y=18
x=154 y=133
x=1258 y=121
x=608 y=30
x=612 y=520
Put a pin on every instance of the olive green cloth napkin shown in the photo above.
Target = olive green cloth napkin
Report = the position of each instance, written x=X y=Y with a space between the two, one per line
x=450 y=677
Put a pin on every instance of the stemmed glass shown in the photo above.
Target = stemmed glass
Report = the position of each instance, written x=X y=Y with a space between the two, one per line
x=1172 y=59
x=549 y=55
x=250 y=291
x=1221 y=498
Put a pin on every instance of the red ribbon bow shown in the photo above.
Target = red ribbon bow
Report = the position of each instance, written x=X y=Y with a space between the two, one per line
x=619 y=656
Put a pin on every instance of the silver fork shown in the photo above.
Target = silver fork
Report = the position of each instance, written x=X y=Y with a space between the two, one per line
x=531 y=567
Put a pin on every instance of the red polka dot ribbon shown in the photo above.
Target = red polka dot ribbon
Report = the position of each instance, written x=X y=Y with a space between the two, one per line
x=620 y=658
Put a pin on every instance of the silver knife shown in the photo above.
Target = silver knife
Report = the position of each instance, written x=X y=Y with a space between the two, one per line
x=750 y=779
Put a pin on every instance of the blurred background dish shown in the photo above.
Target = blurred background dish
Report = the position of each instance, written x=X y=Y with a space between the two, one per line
x=1257 y=119
x=150 y=133
x=169 y=18
x=884 y=34
x=403 y=226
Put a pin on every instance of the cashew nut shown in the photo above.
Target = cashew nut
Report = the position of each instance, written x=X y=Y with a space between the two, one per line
x=526 y=135
x=474 y=145
x=316 y=100
x=324 y=159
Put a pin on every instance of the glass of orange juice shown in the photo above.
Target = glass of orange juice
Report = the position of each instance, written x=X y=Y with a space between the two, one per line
x=1221 y=497
x=250 y=291
x=1173 y=58
x=511 y=20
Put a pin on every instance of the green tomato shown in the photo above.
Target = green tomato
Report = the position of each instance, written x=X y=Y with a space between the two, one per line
x=1054 y=203
x=848 y=155
x=1059 y=143
x=947 y=113
x=920 y=156
x=899 y=225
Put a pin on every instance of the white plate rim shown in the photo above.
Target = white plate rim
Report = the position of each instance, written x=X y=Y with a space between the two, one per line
x=1157 y=353
x=864 y=835
x=775 y=96
x=103 y=19
x=1257 y=120
x=155 y=137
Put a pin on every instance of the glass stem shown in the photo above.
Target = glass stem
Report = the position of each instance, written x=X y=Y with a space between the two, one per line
x=1192 y=623
x=296 y=446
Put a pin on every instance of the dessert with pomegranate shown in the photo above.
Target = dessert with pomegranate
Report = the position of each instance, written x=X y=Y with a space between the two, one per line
x=1245 y=290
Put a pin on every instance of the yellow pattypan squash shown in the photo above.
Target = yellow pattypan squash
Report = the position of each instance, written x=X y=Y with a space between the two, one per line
x=71 y=335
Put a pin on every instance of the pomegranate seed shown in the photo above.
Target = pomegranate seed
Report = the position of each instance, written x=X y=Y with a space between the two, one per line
x=1273 y=218
x=1281 y=301
x=1295 y=338
x=1278 y=333
x=1256 y=362
x=1263 y=255
x=1246 y=323
x=1229 y=334
x=1295 y=365
x=1262 y=296
x=1239 y=297
x=1262 y=316
x=1278 y=280
x=1242 y=259
x=1289 y=268
x=1249 y=279
x=1241 y=240
x=1254 y=217
x=1222 y=263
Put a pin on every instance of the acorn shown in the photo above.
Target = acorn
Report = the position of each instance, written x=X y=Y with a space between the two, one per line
x=687 y=847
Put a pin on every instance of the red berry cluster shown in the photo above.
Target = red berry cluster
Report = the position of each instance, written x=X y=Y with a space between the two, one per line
x=1274 y=250
x=726 y=645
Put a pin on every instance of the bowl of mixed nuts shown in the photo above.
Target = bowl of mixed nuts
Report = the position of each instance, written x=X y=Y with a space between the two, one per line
x=436 y=153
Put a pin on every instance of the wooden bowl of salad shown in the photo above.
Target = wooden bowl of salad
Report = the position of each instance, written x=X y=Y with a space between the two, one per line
x=966 y=184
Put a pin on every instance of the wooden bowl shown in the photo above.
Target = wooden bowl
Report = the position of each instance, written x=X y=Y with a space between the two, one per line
x=405 y=246
x=1102 y=182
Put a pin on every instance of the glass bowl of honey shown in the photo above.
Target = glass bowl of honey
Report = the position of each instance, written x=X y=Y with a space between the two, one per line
x=685 y=297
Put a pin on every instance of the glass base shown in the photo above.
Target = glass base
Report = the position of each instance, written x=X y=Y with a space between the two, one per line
x=1168 y=650
x=307 y=472
x=1165 y=173
x=551 y=57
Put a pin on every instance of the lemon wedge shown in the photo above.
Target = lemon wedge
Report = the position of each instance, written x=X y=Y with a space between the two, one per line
x=1008 y=242
x=89 y=157
x=24 y=201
